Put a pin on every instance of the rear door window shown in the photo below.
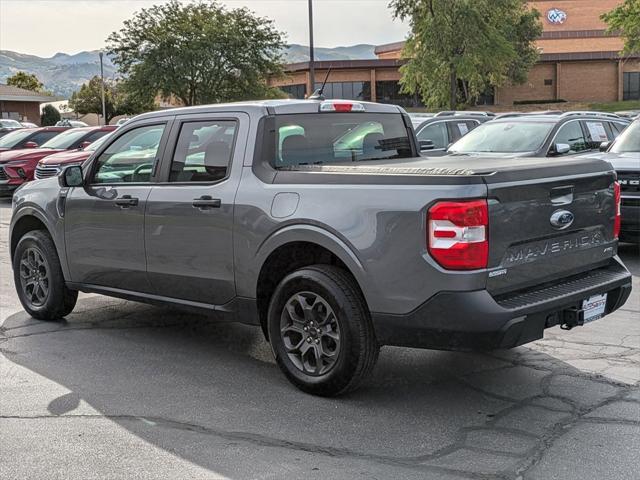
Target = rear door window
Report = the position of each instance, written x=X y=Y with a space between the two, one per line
x=203 y=151
x=597 y=132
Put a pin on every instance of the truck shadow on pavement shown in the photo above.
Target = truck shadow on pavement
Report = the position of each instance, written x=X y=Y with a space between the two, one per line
x=211 y=394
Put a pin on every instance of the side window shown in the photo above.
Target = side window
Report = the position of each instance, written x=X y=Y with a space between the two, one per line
x=617 y=129
x=130 y=157
x=571 y=134
x=41 y=137
x=203 y=151
x=596 y=134
x=436 y=133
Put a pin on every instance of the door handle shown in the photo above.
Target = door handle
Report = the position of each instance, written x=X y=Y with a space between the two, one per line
x=206 y=201
x=126 y=201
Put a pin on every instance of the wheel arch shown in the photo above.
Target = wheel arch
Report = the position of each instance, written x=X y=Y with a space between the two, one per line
x=295 y=247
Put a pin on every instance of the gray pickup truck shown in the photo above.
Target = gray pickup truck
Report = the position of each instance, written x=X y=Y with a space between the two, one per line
x=319 y=221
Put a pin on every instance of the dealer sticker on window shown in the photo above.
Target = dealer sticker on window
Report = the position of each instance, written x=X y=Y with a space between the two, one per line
x=594 y=307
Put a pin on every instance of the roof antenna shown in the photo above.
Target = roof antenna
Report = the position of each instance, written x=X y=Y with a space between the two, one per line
x=319 y=93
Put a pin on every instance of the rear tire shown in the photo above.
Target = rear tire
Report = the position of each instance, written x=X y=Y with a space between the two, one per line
x=321 y=332
x=38 y=278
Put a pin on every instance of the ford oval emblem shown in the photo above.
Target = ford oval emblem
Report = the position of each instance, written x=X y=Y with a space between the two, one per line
x=557 y=16
x=561 y=219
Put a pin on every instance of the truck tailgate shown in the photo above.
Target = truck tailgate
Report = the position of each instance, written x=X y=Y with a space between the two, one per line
x=548 y=219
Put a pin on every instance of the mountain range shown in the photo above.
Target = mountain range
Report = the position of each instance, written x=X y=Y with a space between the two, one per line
x=63 y=74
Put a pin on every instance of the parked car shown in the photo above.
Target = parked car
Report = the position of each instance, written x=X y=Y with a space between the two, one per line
x=549 y=134
x=28 y=137
x=122 y=121
x=632 y=114
x=624 y=155
x=51 y=165
x=332 y=251
x=18 y=166
x=437 y=132
x=28 y=125
x=7 y=125
x=65 y=122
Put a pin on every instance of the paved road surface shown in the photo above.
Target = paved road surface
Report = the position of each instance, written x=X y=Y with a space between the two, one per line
x=123 y=391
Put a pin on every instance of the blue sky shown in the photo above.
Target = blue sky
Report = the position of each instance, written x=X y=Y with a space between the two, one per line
x=45 y=27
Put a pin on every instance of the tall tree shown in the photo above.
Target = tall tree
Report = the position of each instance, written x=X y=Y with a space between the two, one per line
x=625 y=19
x=457 y=49
x=197 y=52
x=25 y=80
x=50 y=116
x=118 y=100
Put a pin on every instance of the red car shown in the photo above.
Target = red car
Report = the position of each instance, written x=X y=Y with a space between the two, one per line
x=53 y=164
x=29 y=137
x=18 y=166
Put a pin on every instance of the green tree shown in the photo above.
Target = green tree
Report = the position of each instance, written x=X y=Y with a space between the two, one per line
x=118 y=100
x=197 y=52
x=50 y=116
x=625 y=19
x=25 y=80
x=457 y=49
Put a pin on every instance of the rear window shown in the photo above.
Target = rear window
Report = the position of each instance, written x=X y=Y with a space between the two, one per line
x=316 y=139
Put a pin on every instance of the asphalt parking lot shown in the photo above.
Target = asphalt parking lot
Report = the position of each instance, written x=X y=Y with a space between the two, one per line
x=123 y=390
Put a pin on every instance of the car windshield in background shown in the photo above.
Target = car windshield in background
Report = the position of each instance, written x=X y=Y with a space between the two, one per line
x=64 y=140
x=504 y=137
x=10 y=124
x=629 y=140
x=316 y=139
x=12 y=139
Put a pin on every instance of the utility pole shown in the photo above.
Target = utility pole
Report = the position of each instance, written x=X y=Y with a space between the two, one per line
x=312 y=72
x=104 y=108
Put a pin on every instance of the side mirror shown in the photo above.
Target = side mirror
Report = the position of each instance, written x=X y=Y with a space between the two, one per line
x=71 y=176
x=31 y=145
x=561 y=148
x=426 y=145
x=604 y=146
x=84 y=145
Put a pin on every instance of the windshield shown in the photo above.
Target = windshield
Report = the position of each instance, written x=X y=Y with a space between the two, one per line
x=629 y=140
x=504 y=137
x=11 y=139
x=65 y=139
x=10 y=124
x=316 y=139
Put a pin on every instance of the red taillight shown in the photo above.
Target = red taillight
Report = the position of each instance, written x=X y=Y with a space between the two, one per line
x=617 y=196
x=457 y=234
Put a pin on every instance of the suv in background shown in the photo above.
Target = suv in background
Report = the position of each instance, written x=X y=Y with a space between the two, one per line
x=7 y=125
x=28 y=137
x=624 y=155
x=550 y=134
x=18 y=166
x=437 y=132
x=51 y=165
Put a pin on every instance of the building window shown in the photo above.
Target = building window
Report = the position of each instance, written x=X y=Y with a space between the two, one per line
x=294 y=91
x=548 y=82
x=347 y=90
x=388 y=91
x=631 y=85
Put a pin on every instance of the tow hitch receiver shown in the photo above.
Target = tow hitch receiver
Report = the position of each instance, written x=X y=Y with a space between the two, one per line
x=572 y=317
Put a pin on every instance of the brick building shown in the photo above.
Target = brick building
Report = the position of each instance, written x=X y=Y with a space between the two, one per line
x=22 y=105
x=579 y=62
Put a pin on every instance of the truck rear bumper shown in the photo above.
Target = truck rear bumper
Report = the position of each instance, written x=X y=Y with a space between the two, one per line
x=477 y=321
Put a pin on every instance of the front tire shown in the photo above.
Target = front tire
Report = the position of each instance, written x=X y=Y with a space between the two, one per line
x=320 y=331
x=38 y=278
